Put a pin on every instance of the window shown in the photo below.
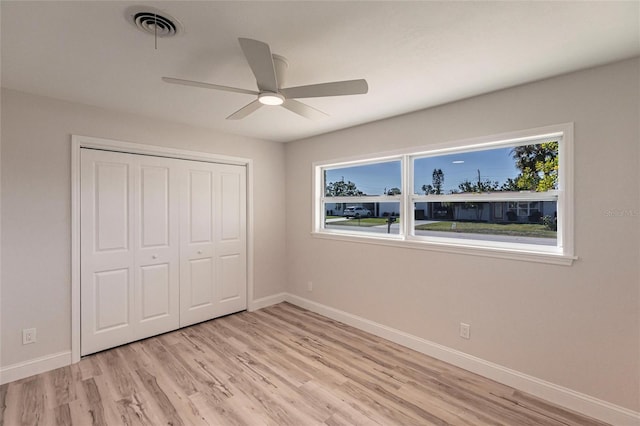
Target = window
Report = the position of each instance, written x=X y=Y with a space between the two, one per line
x=524 y=208
x=506 y=196
x=362 y=198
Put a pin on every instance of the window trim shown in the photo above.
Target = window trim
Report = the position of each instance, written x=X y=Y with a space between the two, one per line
x=560 y=254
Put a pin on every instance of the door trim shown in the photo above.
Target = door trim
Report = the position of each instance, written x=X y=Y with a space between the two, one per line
x=77 y=143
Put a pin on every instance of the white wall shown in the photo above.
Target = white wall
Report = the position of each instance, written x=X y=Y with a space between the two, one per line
x=36 y=208
x=576 y=326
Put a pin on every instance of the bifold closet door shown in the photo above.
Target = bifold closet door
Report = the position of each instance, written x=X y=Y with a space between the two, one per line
x=213 y=277
x=163 y=245
x=129 y=248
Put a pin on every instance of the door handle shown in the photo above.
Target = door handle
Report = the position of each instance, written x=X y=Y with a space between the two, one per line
x=155 y=256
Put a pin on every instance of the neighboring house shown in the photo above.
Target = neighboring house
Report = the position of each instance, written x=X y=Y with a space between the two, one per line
x=377 y=209
x=511 y=211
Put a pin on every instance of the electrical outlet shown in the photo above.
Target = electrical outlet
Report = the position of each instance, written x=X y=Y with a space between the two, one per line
x=28 y=336
x=465 y=331
x=310 y=286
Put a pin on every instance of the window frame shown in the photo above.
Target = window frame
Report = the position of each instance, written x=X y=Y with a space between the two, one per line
x=320 y=189
x=562 y=253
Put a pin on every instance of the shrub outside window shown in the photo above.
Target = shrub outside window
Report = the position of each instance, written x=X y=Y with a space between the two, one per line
x=506 y=196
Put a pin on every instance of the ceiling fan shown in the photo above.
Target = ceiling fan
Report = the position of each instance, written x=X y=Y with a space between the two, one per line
x=269 y=70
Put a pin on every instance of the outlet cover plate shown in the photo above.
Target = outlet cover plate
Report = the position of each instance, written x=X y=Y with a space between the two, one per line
x=465 y=331
x=28 y=336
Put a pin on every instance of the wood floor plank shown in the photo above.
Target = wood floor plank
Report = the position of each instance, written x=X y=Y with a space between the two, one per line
x=116 y=375
x=281 y=365
x=178 y=374
x=12 y=398
x=60 y=386
x=95 y=406
x=208 y=381
x=33 y=400
x=80 y=412
x=160 y=397
x=216 y=412
x=62 y=415
x=339 y=406
x=3 y=402
x=290 y=351
x=163 y=392
x=89 y=367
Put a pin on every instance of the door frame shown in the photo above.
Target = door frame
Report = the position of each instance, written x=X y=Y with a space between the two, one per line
x=77 y=143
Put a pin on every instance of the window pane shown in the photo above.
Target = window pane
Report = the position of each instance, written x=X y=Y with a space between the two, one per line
x=526 y=222
x=518 y=168
x=370 y=179
x=380 y=218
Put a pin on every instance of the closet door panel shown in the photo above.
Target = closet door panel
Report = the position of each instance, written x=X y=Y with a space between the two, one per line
x=157 y=246
x=200 y=205
x=111 y=302
x=111 y=219
x=197 y=249
x=107 y=273
x=231 y=262
x=231 y=205
x=155 y=290
x=155 y=210
x=201 y=279
x=231 y=277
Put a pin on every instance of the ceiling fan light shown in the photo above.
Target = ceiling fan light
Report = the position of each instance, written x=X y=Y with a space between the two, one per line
x=271 y=98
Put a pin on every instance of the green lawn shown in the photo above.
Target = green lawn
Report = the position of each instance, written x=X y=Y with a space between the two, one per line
x=514 y=229
x=365 y=221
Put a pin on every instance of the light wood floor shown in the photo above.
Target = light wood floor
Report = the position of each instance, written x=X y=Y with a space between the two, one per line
x=278 y=366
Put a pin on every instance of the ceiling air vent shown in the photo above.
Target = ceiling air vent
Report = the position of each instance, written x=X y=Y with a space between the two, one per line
x=154 y=22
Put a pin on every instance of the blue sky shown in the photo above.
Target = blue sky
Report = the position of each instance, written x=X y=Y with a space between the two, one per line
x=495 y=165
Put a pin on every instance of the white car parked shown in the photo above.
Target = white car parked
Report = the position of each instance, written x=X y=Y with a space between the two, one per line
x=356 y=212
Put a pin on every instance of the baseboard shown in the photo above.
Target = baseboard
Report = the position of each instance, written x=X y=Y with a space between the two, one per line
x=28 y=368
x=559 y=395
x=266 y=301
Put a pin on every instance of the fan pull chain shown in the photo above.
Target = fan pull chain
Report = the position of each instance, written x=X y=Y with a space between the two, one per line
x=155 y=30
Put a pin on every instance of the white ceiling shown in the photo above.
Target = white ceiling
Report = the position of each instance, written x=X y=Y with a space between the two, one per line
x=413 y=54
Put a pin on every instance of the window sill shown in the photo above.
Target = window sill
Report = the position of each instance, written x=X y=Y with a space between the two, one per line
x=455 y=248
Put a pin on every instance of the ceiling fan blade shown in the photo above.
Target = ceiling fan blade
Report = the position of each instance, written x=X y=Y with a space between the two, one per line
x=208 y=85
x=260 y=60
x=336 y=88
x=245 y=110
x=304 y=110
